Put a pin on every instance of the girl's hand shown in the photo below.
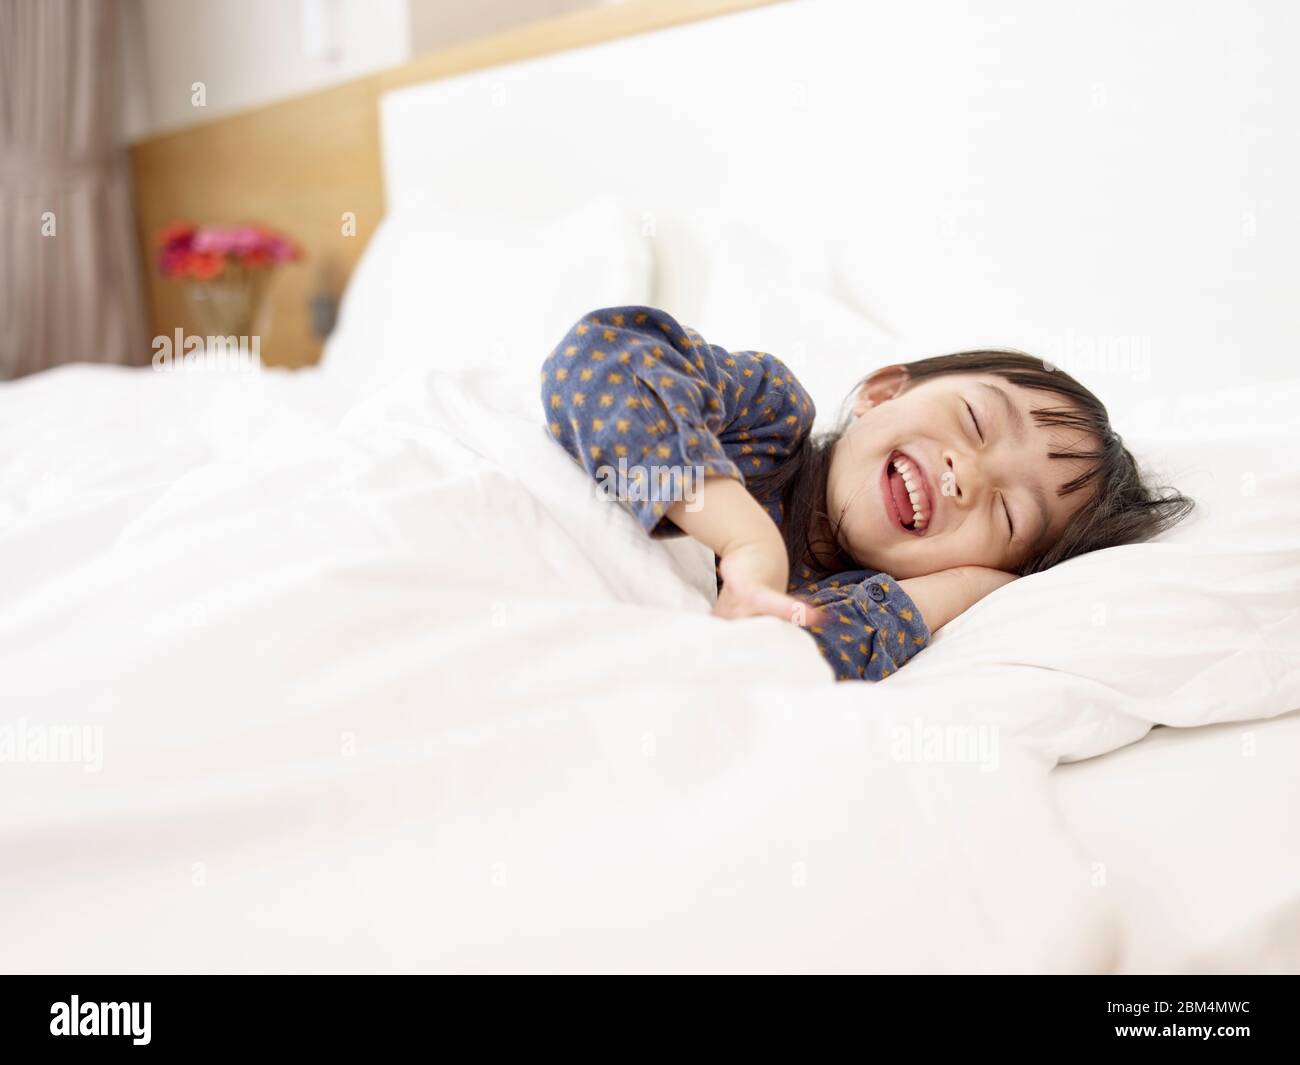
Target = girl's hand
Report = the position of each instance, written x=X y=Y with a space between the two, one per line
x=753 y=564
x=755 y=576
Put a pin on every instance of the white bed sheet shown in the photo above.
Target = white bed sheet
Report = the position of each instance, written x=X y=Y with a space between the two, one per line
x=1196 y=835
x=373 y=699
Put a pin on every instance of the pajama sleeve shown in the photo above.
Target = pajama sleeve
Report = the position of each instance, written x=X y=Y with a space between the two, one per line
x=872 y=626
x=631 y=389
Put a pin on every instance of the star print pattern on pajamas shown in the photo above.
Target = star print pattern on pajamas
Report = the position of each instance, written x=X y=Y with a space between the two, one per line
x=630 y=388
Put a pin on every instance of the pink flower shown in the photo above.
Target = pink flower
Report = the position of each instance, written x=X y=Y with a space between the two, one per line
x=281 y=250
x=245 y=239
x=172 y=261
x=213 y=239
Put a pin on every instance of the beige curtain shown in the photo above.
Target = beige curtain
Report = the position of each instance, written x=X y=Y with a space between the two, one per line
x=70 y=286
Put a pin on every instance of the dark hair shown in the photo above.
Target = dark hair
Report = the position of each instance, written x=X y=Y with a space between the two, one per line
x=1123 y=509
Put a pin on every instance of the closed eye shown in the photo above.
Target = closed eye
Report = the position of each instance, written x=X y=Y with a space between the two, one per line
x=976 y=421
x=1007 y=511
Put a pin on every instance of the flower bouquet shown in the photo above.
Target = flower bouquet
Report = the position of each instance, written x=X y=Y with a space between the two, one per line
x=226 y=270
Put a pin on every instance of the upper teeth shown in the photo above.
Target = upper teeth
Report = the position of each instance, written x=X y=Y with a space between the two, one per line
x=912 y=482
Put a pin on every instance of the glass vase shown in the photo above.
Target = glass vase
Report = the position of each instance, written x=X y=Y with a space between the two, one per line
x=232 y=305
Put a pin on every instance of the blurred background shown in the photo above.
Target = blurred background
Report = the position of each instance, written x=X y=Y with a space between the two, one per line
x=98 y=97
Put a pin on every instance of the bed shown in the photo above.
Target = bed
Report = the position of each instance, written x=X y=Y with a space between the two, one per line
x=347 y=669
x=1195 y=831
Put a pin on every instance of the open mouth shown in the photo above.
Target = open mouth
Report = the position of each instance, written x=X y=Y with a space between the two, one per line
x=907 y=494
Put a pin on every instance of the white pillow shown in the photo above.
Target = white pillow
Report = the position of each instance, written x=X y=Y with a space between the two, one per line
x=1201 y=626
x=455 y=290
x=766 y=294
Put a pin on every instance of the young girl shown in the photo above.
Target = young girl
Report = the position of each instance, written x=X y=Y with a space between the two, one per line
x=950 y=477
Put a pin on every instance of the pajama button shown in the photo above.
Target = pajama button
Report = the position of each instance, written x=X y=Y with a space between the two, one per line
x=876 y=592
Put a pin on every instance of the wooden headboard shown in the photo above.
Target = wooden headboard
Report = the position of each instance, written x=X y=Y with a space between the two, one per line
x=301 y=164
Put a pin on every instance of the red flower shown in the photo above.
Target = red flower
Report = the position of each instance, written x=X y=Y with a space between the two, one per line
x=178 y=233
x=205 y=265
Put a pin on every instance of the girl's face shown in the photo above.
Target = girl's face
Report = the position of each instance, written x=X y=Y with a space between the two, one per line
x=982 y=489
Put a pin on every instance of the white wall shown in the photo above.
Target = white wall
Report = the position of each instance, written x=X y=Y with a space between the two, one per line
x=253 y=52
x=250 y=52
x=438 y=23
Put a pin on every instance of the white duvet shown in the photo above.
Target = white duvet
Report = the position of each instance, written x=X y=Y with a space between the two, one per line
x=382 y=685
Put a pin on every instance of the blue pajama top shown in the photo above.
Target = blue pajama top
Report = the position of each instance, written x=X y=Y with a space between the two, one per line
x=631 y=384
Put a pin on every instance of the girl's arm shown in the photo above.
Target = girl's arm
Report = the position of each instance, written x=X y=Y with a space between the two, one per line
x=754 y=566
x=631 y=387
x=873 y=625
x=630 y=391
x=942 y=596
